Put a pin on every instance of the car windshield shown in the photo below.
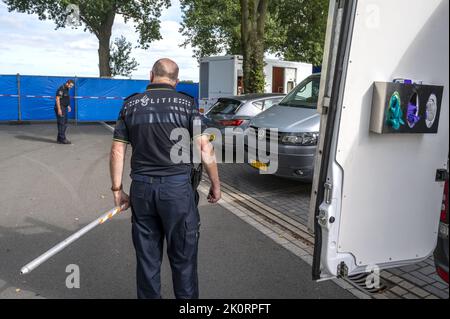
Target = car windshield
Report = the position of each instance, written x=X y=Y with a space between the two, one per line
x=225 y=106
x=305 y=95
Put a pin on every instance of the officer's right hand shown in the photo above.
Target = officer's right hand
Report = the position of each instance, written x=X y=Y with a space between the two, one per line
x=214 y=194
x=121 y=199
x=60 y=114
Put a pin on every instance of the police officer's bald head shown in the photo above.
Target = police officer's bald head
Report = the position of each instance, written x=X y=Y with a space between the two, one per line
x=165 y=69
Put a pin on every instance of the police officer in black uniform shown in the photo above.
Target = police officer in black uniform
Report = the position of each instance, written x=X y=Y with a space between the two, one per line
x=161 y=196
x=62 y=108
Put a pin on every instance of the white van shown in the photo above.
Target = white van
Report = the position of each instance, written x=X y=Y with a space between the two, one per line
x=377 y=194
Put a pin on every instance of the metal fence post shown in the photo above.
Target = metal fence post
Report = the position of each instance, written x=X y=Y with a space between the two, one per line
x=18 y=99
x=76 y=100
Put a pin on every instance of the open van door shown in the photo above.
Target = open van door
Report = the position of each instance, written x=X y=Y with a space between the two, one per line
x=383 y=148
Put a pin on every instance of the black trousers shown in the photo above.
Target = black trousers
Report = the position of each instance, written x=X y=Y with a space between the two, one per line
x=165 y=208
x=61 y=122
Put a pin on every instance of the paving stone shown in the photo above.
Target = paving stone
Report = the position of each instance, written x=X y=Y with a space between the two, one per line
x=395 y=279
x=281 y=240
x=421 y=276
x=287 y=196
x=385 y=274
x=428 y=270
x=406 y=285
x=308 y=259
x=380 y=296
x=414 y=280
x=436 y=278
x=441 y=286
x=342 y=283
x=420 y=292
x=359 y=294
x=410 y=296
x=264 y=230
x=296 y=250
x=409 y=268
x=436 y=292
x=430 y=262
x=390 y=295
x=398 y=290
x=396 y=271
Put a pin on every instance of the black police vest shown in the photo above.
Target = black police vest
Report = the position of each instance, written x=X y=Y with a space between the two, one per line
x=64 y=95
x=151 y=123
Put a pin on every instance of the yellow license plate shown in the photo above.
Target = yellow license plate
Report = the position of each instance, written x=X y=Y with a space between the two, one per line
x=259 y=165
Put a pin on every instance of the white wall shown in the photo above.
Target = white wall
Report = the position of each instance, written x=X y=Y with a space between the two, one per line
x=303 y=70
x=222 y=74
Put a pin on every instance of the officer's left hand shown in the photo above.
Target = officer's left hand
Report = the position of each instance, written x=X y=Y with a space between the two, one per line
x=69 y=109
x=121 y=199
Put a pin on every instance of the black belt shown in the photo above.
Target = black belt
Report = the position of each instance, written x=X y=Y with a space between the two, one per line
x=159 y=179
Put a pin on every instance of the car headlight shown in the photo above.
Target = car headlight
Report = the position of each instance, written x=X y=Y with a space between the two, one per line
x=304 y=139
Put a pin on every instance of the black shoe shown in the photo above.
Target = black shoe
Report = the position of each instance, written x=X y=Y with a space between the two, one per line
x=66 y=141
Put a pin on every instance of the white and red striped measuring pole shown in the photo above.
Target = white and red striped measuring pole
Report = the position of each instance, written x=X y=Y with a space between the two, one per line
x=57 y=248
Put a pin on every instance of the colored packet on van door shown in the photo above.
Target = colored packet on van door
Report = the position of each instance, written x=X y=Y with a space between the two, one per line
x=403 y=81
x=407 y=81
x=412 y=115
x=394 y=113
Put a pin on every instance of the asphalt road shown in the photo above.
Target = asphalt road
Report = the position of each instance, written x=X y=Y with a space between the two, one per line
x=49 y=191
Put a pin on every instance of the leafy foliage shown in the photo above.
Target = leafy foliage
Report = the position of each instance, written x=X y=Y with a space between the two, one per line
x=302 y=24
x=97 y=17
x=253 y=23
x=121 y=62
x=211 y=26
x=294 y=29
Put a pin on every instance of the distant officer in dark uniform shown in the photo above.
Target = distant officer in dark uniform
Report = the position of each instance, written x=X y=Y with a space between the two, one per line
x=161 y=196
x=62 y=108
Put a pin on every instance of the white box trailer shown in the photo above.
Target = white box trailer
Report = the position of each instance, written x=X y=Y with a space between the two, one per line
x=222 y=76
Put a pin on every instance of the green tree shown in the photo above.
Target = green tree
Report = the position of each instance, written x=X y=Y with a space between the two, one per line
x=302 y=26
x=293 y=29
x=253 y=22
x=121 y=62
x=97 y=17
x=211 y=26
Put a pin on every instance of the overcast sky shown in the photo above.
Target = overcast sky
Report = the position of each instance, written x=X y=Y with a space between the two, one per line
x=33 y=47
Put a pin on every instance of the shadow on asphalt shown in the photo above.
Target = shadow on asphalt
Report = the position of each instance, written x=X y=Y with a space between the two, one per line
x=104 y=264
x=235 y=261
x=35 y=139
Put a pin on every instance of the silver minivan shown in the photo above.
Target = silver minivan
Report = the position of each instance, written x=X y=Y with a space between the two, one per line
x=298 y=123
